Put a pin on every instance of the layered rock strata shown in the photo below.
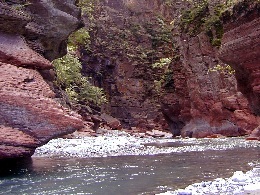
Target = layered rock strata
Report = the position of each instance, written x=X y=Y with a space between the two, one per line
x=240 y=48
x=31 y=35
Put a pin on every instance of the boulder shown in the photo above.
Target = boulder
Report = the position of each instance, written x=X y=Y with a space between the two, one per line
x=111 y=121
x=52 y=22
x=200 y=128
x=255 y=135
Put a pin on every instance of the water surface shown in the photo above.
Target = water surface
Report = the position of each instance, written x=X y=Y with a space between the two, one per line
x=124 y=174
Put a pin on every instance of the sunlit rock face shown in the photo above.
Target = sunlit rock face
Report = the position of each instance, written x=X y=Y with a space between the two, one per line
x=240 y=48
x=30 y=36
x=185 y=97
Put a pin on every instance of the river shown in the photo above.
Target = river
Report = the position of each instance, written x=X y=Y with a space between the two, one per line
x=131 y=174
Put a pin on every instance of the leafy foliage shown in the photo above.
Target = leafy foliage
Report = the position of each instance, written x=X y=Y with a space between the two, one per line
x=87 y=7
x=80 y=38
x=225 y=69
x=160 y=32
x=199 y=18
x=163 y=62
x=193 y=19
x=166 y=79
x=78 y=88
x=68 y=68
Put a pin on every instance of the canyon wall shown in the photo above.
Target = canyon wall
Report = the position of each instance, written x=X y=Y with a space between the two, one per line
x=31 y=35
x=161 y=70
x=161 y=64
x=240 y=48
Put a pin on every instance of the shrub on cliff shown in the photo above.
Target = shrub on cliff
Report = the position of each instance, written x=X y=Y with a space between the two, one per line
x=78 y=88
x=80 y=38
x=204 y=17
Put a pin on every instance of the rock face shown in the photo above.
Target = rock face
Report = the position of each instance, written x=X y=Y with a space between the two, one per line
x=122 y=66
x=205 y=102
x=240 y=48
x=161 y=77
x=30 y=36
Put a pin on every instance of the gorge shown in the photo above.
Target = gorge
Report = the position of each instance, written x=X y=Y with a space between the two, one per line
x=163 y=65
x=104 y=96
x=168 y=69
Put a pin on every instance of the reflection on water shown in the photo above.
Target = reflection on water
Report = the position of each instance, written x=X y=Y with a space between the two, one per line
x=126 y=174
x=15 y=168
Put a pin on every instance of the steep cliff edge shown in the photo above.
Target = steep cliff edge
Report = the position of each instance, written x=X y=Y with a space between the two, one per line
x=31 y=34
x=158 y=62
x=240 y=48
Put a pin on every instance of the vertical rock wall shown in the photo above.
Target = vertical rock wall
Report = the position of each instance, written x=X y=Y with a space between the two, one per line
x=240 y=48
x=31 y=35
x=184 y=96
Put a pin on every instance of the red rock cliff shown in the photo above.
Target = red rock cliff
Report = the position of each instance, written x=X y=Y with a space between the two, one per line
x=159 y=76
x=30 y=36
x=240 y=48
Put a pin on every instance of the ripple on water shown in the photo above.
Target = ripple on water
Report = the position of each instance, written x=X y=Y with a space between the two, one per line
x=169 y=168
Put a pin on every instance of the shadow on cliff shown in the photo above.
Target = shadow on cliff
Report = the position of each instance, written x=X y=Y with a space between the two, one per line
x=11 y=167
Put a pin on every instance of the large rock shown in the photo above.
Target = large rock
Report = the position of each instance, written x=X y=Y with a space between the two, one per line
x=52 y=22
x=111 y=121
x=14 y=50
x=240 y=48
x=29 y=115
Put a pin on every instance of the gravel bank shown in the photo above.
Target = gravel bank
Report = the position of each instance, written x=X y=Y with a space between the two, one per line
x=119 y=143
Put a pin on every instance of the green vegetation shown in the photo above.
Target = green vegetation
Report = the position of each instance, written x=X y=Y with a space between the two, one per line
x=165 y=81
x=70 y=79
x=79 y=39
x=160 y=33
x=200 y=18
x=163 y=62
x=225 y=69
x=192 y=20
x=87 y=7
x=68 y=68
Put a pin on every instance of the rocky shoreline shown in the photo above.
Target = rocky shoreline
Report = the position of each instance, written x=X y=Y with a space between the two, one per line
x=185 y=94
x=120 y=143
x=240 y=184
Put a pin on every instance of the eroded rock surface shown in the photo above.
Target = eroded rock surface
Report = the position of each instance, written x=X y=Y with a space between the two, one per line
x=29 y=37
x=184 y=96
x=206 y=102
x=240 y=48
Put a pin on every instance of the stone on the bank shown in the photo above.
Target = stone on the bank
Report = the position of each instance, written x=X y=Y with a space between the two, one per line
x=239 y=176
x=111 y=121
